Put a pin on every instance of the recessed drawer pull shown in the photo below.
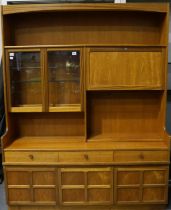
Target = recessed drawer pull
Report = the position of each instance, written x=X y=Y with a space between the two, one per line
x=31 y=157
x=86 y=156
x=141 y=156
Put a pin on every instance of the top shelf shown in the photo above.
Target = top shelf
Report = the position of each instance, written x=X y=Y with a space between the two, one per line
x=139 y=7
x=81 y=45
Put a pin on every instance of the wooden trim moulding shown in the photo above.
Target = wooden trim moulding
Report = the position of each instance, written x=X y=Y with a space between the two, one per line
x=140 y=7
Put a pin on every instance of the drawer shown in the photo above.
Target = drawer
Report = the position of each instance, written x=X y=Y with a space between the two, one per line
x=11 y=156
x=86 y=156
x=141 y=156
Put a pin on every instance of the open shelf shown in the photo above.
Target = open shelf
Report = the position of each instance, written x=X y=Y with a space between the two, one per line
x=138 y=28
x=124 y=115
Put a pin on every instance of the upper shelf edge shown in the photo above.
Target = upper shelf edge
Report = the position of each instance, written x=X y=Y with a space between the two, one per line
x=144 y=7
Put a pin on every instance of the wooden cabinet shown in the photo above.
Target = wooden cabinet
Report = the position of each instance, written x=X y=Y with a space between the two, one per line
x=31 y=186
x=141 y=185
x=85 y=89
x=86 y=186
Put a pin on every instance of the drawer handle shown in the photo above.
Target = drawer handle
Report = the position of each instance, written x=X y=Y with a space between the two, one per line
x=31 y=157
x=141 y=156
x=86 y=156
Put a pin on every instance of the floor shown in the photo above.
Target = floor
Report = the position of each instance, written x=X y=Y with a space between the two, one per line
x=3 y=205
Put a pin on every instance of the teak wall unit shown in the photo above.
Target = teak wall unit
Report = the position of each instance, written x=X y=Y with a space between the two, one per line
x=85 y=94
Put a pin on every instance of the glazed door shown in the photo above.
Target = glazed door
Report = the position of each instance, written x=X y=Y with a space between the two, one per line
x=24 y=80
x=64 y=77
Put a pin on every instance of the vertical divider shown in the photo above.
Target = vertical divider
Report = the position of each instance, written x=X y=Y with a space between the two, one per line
x=115 y=187
x=60 y=191
x=44 y=71
x=31 y=186
x=141 y=185
x=86 y=185
x=84 y=91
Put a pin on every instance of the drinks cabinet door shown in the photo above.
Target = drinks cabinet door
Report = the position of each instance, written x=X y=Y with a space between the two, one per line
x=24 y=71
x=64 y=80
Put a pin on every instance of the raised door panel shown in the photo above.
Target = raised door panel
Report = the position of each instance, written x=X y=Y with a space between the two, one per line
x=99 y=196
x=73 y=196
x=73 y=178
x=155 y=177
x=155 y=195
x=19 y=196
x=44 y=178
x=45 y=195
x=125 y=68
x=128 y=195
x=18 y=178
x=128 y=178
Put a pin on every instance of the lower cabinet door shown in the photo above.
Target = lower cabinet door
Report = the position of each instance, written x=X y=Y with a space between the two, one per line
x=31 y=186
x=86 y=186
x=141 y=185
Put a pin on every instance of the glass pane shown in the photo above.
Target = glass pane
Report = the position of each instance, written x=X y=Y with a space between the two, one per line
x=25 y=78
x=64 y=77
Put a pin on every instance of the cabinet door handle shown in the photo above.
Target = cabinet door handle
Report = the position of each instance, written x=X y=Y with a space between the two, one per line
x=31 y=157
x=86 y=156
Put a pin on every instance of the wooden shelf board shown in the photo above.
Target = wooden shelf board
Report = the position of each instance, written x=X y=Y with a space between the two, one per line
x=78 y=143
x=71 y=108
x=84 y=45
x=143 y=137
x=26 y=109
x=139 y=7
x=126 y=87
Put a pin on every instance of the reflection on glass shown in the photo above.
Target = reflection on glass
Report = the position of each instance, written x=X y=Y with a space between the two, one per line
x=64 y=77
x=25 y=78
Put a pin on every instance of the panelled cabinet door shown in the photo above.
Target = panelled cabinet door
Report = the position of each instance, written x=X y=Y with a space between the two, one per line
x=24 y=80
x=64 y=79
x=141 y=185
x=18 y=185
x=86 y=186
x=125 y=68
x=32 y=186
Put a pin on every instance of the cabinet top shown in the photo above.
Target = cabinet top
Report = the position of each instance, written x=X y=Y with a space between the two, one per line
x=144 y=7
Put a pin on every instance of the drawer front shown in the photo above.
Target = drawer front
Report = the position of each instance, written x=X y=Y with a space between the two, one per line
x=141 y=156
x=31 y=156
x=86 y=156
x=125 y=67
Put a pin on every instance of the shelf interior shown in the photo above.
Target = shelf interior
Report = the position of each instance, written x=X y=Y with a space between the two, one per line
x=90 y=27
x=125 y=115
